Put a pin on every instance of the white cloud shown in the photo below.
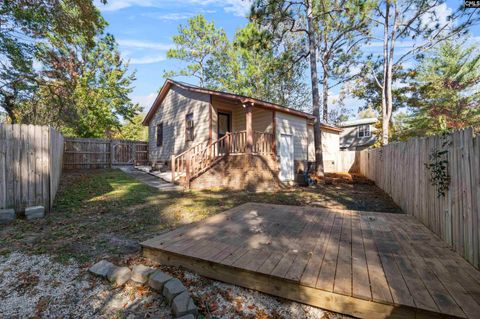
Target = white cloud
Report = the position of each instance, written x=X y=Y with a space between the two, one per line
x=138 y=44
x=148 y=59
x=114 y=5
x=398 y=44
x=239 y=8
x=145 y=101
x=438 y=16
x=171 y=16
x=174 y=16
x=143 y=52
x=236 y=7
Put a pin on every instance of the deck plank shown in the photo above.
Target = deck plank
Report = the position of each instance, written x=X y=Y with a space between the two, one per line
x=365 y=264
x=360 y=279
x=308 y=244
x=378 y=281
x=310 y=274
x=343 y=274
x=326 y=277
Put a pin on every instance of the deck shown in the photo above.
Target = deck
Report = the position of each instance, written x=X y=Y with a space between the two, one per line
x=364 y=264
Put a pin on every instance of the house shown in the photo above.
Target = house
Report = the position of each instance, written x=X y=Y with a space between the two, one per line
x=210 y=138
x=357 y=134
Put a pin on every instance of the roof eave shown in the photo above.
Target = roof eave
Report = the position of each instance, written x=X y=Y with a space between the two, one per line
x=168 y=83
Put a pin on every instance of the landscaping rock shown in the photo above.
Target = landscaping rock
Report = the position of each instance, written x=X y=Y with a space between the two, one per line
x=140 y=273
x=189 y=316
x=183 y=305
x=119 y=275
x=158 y=279
x=34 y=212
x=173 y=288
x=102 y=268
x=318 y=204
x=7 y=215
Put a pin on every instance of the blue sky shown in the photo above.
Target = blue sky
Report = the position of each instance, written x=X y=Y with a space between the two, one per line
x=144 y=30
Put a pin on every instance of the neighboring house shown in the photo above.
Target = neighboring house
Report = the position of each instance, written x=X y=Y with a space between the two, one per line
x=357 y=134
x=191 y=129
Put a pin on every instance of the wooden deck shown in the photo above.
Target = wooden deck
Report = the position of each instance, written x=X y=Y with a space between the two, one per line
x=369 y=265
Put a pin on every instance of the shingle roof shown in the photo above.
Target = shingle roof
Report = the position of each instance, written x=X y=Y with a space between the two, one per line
x=369 y=120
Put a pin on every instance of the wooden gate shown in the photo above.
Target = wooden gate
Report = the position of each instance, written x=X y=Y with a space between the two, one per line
x=123 y=153
x=85 y=153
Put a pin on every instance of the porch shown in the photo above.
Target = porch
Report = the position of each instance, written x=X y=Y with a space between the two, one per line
x=234 y=129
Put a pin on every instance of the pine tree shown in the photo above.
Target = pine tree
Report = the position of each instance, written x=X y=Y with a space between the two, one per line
x=446 y=91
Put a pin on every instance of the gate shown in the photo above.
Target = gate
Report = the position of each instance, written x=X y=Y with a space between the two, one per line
x=85 y=153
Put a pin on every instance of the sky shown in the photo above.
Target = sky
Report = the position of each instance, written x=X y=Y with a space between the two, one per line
x=144 y=31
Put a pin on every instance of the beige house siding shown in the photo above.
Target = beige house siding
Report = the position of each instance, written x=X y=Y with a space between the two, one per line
x=176 y=105
x=330 y=144
x=262 y=120
x=297 y=127
x=330 y=148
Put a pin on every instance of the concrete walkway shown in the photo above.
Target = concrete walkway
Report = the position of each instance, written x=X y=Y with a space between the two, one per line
x=150 y=179
x=166 y=176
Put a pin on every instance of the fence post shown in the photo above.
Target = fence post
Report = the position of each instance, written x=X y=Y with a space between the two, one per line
x=133 y=152
x=111 y=153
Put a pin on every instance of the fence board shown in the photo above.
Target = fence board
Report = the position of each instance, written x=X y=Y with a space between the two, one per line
x=399 y=169
x=92 y=153
x=25 y=154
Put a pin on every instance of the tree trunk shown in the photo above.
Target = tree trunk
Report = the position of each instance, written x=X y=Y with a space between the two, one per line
x=388 y=105
x=9 y=106
x=385 y=83
x=312 y=47
x=325 y=93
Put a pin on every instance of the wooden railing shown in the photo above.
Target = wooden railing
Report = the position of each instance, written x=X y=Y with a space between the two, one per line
x=199 y=158
x=263 y=143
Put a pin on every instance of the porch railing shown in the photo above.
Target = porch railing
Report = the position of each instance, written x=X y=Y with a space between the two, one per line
x=199 y=158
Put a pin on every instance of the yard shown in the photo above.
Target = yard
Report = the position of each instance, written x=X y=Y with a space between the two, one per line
x=106 y=213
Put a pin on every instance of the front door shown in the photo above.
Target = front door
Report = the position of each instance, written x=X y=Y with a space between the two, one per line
x=286 y=157
x=223 y=124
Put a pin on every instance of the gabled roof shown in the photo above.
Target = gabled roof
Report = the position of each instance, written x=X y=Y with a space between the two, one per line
x=229 y=96
x=369 y=120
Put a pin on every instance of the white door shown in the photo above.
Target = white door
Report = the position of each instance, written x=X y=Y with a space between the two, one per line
x=286 y=157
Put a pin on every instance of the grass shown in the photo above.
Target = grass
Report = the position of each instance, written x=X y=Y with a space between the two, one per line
x=106 y=213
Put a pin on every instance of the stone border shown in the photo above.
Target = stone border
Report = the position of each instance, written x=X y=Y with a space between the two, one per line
x=8 y=215
x=177 y=295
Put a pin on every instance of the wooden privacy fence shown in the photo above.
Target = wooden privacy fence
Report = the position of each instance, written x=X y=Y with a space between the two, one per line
x=400 y=170
x=86 y=153
x=30 y=165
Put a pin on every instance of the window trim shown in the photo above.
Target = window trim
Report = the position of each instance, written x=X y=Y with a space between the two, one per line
x=365 y=130
x=159 y=128
x=189 y=131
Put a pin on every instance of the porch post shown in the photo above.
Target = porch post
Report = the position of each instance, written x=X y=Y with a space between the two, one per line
x=274 y=132
x=249 y=127
x=210 y=121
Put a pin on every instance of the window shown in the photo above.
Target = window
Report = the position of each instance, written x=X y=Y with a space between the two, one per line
x=160 y=134
x=189 y=126
x=364 y=131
